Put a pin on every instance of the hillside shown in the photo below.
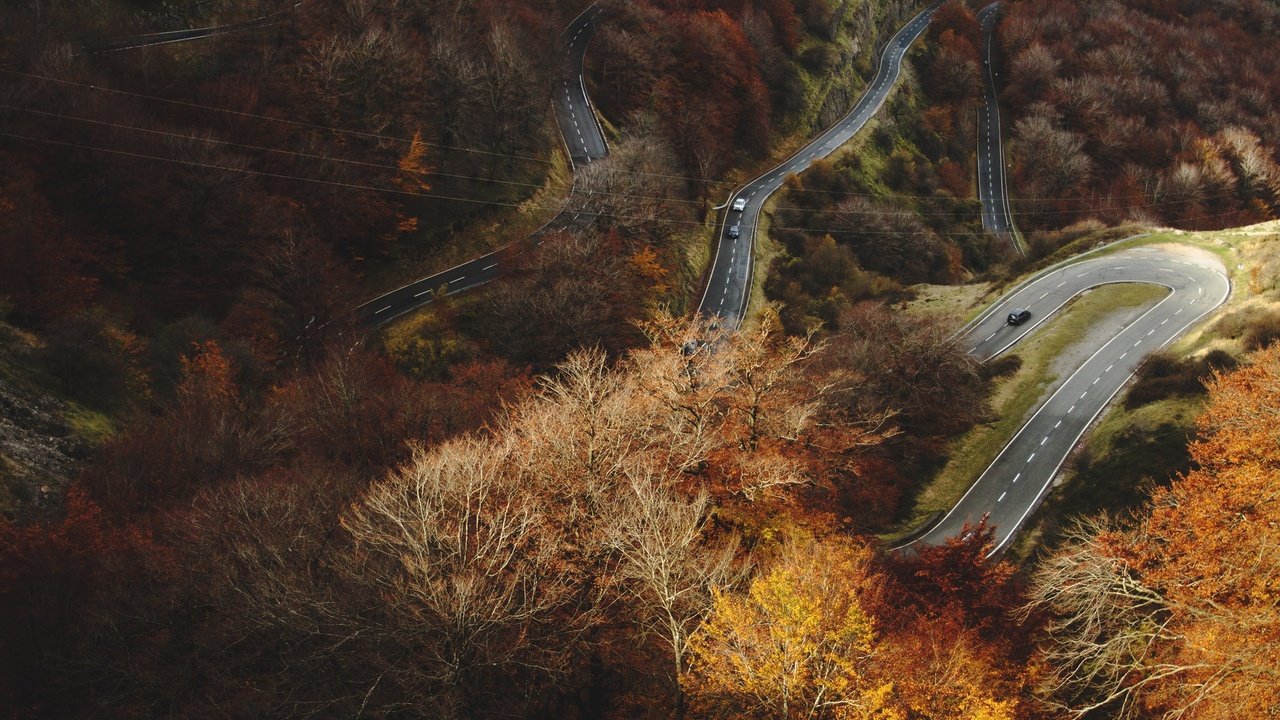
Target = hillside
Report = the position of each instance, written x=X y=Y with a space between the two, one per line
x=557 y=492
x=1155 y=112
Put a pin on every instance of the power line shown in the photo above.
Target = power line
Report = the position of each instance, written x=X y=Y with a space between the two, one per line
x=316 y=126
x=258 y=116
x=262 y=148
x=329 y=158
x=390 y=138
x=362 y=163
x=246 y=171
x=398 y=192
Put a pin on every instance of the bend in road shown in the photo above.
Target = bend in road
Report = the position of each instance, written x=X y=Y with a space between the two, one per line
x=1017 y=480
x=993 y=190
x=729 y=284
x=584 y=140
x=579 y=126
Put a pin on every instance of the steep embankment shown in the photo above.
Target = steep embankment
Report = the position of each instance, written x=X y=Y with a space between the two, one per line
x=42 y=438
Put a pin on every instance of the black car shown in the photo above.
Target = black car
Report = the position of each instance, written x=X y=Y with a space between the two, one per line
x=1019 y=316
x=734 y=231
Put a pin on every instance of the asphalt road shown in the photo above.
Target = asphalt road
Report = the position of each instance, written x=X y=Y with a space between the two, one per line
x=997 y=217
x=173 y=36
x=585 y=141
x=1018 y=479
x=729 y=284
x=579 y=125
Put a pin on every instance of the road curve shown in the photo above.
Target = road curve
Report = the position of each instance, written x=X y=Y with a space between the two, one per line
x=585 y=142
x=729 y=283
x=993 y=189
x=1018 y=479
x=579 y=125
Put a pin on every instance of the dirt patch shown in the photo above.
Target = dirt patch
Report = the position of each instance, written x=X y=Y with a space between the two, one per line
x=40 y=448
x=952 y=305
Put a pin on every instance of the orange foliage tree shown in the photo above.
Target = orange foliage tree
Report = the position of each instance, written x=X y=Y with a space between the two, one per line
x=1179 y=617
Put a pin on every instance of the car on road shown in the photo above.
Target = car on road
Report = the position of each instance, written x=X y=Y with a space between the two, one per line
x=740 y=204
x=1019 y=316
x=735 y=231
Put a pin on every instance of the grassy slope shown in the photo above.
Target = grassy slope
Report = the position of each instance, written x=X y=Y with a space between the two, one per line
x=1128 y=450
x=850 y=78
x=1016 y=396
x=40 y=431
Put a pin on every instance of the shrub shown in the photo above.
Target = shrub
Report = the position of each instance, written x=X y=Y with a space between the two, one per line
x=1001 y=367
x=1163 y=376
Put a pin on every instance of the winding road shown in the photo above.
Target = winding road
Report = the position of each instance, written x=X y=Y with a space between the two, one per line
x=585 y=142
x=1017 y=480
x=579 y=125
x=993 y=190
x=728 y=286
x=1020 y=476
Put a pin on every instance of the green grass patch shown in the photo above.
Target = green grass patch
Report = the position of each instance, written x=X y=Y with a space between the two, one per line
x=951 y=304
x=1018 y=394
x=91 y=426
x=766 y=250
x=693 y=251
x=14 y=492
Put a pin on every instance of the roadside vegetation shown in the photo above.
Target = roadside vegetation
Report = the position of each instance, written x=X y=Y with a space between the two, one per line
x=1141 y=111
x=1025 y=376
x=558 y=496
x=1141 y=442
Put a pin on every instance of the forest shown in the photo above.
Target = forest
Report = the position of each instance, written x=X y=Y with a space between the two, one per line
x=560 y=496
x=1155 y=111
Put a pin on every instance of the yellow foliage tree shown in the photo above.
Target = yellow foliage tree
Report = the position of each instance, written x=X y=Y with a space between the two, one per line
x=647 y=264
x=413 y=166
x=946 y=671
x=797 y=645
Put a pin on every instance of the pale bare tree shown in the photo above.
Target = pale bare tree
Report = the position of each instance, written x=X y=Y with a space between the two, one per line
x=634 y=190
x=685 y=372
x=578 y=435
x=770 y=394
x=1061 y=163
x=667 y=565
x=1105 y=631
x=465 y=553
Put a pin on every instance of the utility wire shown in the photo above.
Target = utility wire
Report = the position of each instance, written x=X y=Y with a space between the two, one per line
x=793 y=209
x=399 y=192
x=553 y=186
x=526 y=158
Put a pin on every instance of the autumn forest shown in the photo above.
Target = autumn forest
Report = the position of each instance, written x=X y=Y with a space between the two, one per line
x=562 y=493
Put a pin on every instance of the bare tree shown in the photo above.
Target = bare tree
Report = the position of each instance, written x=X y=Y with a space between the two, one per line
x=667 y=566
x=477 y=570
x=634 y=190
x=1105 y=629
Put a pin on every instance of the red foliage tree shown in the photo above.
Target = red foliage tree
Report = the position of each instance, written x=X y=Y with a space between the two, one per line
x=56 y=579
